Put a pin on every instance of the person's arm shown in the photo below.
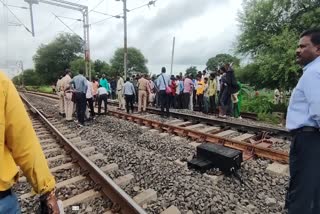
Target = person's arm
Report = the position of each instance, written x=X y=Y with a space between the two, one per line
x=21 y=140
x=310 y=84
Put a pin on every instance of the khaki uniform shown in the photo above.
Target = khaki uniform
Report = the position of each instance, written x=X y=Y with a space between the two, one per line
x=121 y=101
x=68 y=104
x=60 y=95
x=142 y=100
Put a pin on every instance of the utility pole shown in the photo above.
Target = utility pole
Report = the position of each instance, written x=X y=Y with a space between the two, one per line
x=172 y=55
x=125 y=40
x=125 y=63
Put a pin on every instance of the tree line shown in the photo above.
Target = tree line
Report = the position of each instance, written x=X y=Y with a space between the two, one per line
x=269 y=31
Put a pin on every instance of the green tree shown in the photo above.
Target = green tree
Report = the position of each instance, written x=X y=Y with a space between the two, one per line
x=192 y=71
x=220 y=59
x=136 y=61
x=52 y=59
x=80 y=63
x=269 y=33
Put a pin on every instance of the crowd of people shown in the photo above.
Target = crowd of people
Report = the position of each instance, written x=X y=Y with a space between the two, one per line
x=209 y=92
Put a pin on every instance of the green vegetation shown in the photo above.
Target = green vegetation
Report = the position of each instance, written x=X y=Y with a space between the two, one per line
x=269 y=34
x=43 y=88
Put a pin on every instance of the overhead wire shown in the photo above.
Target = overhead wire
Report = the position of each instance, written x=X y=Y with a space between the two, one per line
x=16 y=17
x=116 y=16
x=66 y=25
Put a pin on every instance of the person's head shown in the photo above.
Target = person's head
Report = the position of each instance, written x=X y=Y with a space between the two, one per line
x=226 y=66
x=223 y=70
x=172 y=77
x=81 y=71
x=212 y=76
x=199 y=77
x=60 y=77
x=308 y=47
x=178 y=77
x=87 y=78
x=204 y=72
x=128 y=79
x=205 y=79
x=103 y=76
x=163 y=70
x=68 y=71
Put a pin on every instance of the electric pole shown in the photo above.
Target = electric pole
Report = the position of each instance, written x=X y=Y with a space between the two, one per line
x=125 y=63
x=172 y=55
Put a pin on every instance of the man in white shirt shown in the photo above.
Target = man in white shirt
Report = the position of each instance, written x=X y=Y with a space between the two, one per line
x=89 y=97
x=129 y=93
x=120 y=84
x=163 y=82
x=102 y=96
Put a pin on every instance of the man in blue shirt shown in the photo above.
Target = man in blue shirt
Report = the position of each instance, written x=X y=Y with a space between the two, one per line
x=163 y=82
x=303 y=121
x=80 y=85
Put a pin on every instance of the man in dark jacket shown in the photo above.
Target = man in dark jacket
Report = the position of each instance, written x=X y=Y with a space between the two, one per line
x=230 y=87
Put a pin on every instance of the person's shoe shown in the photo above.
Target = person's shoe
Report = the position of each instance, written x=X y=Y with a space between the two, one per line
x=223 y=116
x=240 y=117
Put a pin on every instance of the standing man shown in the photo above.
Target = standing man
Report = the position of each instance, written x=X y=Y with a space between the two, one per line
x=303 y=121
x=129 y=93
x=120 y=84
x=199 y=92
x=142 y=88
x=187 y=92
x=89 y=97
x=212 y=91
x=60 y=95
x=80 y=85
x=67 y=92
x=163 y=82
x=19 y=146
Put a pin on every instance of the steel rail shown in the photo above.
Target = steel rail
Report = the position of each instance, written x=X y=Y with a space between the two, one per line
x=210 y=121
x=105 y=183
x=250 y=150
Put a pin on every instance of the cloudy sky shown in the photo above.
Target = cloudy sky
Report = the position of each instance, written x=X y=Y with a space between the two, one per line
x=203 y=28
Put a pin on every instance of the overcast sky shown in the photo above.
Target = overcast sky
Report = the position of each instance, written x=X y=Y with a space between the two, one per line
x=203 y=28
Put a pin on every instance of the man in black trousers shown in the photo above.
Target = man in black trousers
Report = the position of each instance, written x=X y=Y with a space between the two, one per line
x=303 y=121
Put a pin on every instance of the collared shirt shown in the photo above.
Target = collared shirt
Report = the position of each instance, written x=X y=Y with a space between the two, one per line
x=65 y=85
x=19 y=144
x=304 y=106
x=120 y=84
x=128 y=88
x=218 y=78
x=80 y=83
x=58 y=85
x=102 y=90
x=143 y=84
x=104 y=83
x=187 y=85
x=212 y=87
x=89 y=90
x=200 y=87
x=163 y=81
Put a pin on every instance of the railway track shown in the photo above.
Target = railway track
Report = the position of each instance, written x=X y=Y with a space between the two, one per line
x=81 y=184
x=151 y=146
x=254 y=141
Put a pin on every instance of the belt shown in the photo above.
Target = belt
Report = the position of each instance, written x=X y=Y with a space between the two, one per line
x=305 y=129
x=5 y=193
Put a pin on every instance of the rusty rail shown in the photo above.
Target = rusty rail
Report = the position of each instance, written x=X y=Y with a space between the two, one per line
x=248 y=149
x=104 y=182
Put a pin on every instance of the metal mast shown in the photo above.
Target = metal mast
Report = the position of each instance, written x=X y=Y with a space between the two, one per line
x=72 y=6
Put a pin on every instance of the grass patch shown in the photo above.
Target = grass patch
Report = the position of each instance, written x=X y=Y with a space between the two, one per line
x=43 y=88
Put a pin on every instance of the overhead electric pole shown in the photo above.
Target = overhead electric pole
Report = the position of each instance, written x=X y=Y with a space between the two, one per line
x=172 y=55
x=72 y=6
x=125 y=66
